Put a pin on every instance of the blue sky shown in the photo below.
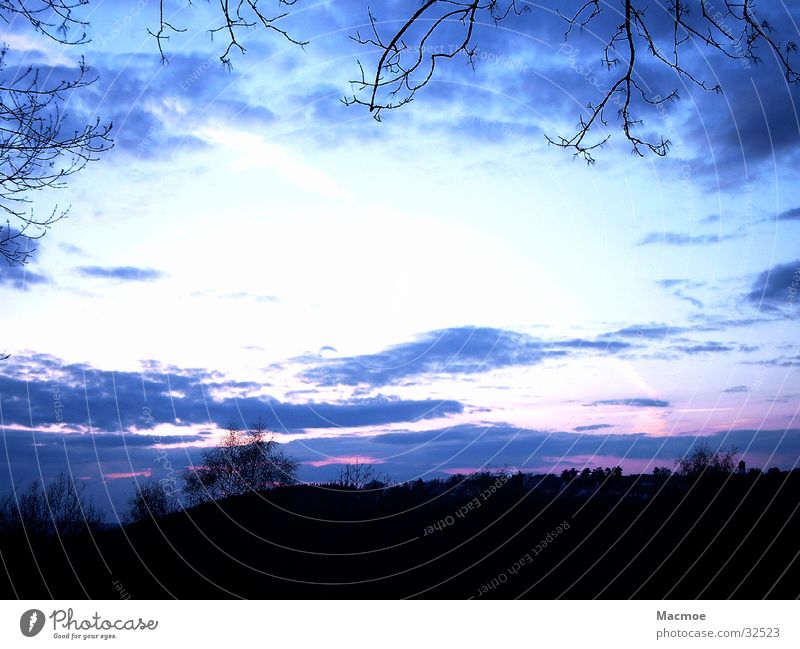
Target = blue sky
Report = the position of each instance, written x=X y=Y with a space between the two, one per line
x=437 y=292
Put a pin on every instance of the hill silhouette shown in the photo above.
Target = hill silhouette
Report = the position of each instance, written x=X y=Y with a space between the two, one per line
x=489 y=535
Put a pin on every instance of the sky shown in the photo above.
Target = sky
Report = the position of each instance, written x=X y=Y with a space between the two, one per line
x=438 y=292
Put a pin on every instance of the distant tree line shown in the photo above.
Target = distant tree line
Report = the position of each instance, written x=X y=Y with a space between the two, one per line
x=248 y=461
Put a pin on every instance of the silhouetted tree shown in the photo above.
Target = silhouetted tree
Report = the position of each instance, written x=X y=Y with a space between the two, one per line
x=702 y=460
x=150 y=501
x=245 y=461
x=60 y=508
x=356 y=476
x=568 y=475
x=599 y=474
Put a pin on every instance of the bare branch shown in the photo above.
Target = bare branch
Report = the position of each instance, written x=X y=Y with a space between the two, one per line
x=53 y=18
x=402 y=70
x=37 y=150
x=407 y=57
x=236 y=15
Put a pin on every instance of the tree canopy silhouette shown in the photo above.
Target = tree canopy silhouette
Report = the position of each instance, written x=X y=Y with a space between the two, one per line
x=702 y=460
x=245 y=461
x=57 y=509
x=150 y=500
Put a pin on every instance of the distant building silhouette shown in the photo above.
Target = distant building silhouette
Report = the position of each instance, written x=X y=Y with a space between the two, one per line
x=742 y=467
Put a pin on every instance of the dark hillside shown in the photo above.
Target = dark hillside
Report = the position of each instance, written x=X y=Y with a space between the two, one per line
x=537 y=537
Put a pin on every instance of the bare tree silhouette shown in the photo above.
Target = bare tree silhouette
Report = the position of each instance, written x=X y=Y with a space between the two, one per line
x=356 y=476
x=38 y=148
x=702 y=460
x=150 y=501
x=60 y=508
x=37 y=151
x=245 y=461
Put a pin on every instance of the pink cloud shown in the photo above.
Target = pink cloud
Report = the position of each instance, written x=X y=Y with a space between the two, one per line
x=132 y=474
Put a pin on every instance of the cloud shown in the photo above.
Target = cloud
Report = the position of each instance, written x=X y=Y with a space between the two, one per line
x=20 y=278
x=646 y=331
x=635 y=402
x=681 y=239
x=790 y=215
x=755 y=130
x=120 y=273
x=284 y=416
x=42 y=391
x=71 y=249
x=702 y=322
x=459 y=350
x=703 y=348
x=777 y=286
x=255 y=151
x=255 y=297
x=737 y=389
x=154 y=107
x=780 y=361
x=691 y=300
x=678 y=288
x=670 y=283
x=581 y=429
x=20 y=248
